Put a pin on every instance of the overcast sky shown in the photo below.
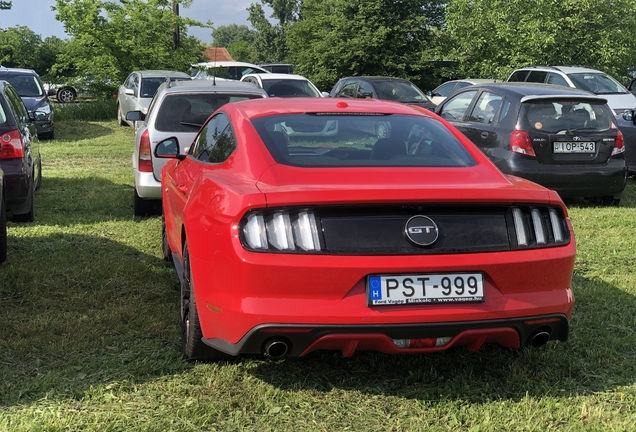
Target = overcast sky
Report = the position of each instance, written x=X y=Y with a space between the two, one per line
x=38 y=16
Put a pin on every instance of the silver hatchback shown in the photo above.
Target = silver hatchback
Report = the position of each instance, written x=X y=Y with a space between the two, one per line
x=178 y=109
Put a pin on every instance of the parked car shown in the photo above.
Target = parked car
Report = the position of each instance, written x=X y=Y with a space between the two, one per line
x=178 y=109
x=621 y=101
x=562 y=138
x=631 y=86
x=444 y=90
x=224 y=70
x=30 y=88
x=139 y=88
x=285 y=246
x=387 y=88
x=284 y=68
x=76 y=87
x=3 y=221
x=283 y=85
x=19 y=155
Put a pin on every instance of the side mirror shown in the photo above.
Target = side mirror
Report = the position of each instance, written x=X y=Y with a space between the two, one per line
x=51 y=92
x=325 y=94
x=129 y=92
x=135 y=116
x=168 y=149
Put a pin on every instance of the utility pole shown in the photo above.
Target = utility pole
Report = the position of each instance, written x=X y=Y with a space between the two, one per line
x=175 y=32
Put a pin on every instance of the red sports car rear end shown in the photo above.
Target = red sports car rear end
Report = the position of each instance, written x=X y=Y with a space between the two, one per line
x=294 y=229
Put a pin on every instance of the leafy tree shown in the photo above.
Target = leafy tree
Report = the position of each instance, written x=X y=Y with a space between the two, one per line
x=5 y=5
x=19 y=48
x=242 y=51
x=112 y=38
x=337 y=38
x=224 y=36
x=270 y=39
x=492 y=37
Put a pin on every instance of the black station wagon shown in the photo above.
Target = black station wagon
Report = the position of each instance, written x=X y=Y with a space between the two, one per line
x=564 y=139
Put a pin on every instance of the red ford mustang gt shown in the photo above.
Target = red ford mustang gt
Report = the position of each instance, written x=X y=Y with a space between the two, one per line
x=294 y=228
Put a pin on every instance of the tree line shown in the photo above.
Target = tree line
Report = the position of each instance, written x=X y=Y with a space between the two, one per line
x=424 y=41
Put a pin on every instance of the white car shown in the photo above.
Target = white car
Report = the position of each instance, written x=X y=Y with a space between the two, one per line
x=225 y=70
x=283 y=85
x=178 y=109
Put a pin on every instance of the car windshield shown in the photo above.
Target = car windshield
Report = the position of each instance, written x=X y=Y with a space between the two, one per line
x=598 y=83
x=26 y=85
x=562 y=116
x=188 y=112
x=289 y=88
x=401 y=91
x=351 y=140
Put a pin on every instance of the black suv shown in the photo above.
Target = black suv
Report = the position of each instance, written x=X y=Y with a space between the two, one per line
x=30 y=88
x=562 y=138
x=19 y=155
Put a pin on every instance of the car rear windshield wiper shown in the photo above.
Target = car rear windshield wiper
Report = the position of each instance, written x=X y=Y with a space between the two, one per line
x=194 y=125
x=575 y=130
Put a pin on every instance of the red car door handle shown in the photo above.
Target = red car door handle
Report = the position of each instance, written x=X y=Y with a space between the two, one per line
x=183 y=189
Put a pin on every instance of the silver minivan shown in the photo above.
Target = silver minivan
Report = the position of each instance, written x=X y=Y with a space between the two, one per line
x=178 y=109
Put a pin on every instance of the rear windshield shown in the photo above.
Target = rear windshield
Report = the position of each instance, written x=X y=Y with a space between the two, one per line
x=289 y=88
x=188 y=112
x=598 y=83
x=561 y=116
x=25 y=85
x=352 y=140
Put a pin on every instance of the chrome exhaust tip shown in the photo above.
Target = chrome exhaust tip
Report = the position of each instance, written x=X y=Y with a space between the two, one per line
x=276 y=348
x=539 y=339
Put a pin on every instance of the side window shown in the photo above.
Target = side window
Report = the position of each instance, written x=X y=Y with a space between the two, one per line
x=461 y=85
x=135 y=83
x=486 y=108
x=557 y=79
x=445 y=89
x=365 y=90
x=456 y=106
x=537 y=76
x=518 y=76
x=505 y=109
x=348 y=90
x=216 y=141
x=130 y=81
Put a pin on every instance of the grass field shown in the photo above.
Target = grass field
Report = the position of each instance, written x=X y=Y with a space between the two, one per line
x=89 y=333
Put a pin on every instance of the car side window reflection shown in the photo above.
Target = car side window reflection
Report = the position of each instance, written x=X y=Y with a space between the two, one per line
x=455 y=107
x=365 y=91
x=216 y=141
x=486 y=108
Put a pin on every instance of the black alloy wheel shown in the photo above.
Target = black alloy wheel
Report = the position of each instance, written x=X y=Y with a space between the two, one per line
x=192 y=346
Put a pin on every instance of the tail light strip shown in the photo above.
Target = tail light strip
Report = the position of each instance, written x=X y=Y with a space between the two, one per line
x=534 y=227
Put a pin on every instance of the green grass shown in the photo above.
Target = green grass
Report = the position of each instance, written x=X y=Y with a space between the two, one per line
x=96 y=110
x=89 y=336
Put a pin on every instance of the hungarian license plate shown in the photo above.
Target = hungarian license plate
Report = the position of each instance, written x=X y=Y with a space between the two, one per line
x=575 y=147
x=425 y=288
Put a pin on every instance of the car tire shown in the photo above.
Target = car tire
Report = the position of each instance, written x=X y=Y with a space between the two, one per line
x=166 y=253
x=120 y=117
x=47 y=136
x=142 y=207
x=66 y=95
x=192 y=346
x=3 y=232
x=30 y=215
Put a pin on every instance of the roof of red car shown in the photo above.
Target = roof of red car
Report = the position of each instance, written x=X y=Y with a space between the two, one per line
x=276 y=106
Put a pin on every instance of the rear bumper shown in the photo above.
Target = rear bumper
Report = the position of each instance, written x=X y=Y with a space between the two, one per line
x=571 y=180
x=17 y=183
x=301 y=340
x=147 y=186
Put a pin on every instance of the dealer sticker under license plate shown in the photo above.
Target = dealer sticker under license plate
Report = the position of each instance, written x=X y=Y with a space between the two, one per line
x=425 y=288
x=575 y=147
